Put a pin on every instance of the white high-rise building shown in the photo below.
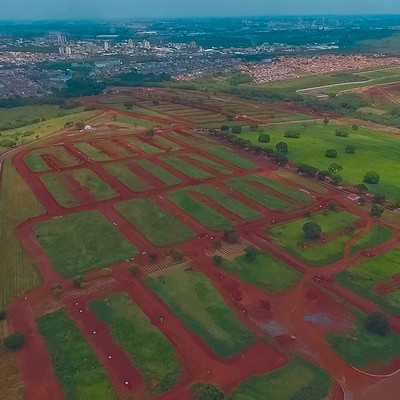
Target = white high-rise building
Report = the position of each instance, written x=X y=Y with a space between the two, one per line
x=68 y=50
x=106 y=45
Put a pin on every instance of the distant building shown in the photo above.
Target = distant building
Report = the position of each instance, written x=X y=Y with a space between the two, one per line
x=68 y=50
x=106 y=45
x=146 y=44
x=353 y=197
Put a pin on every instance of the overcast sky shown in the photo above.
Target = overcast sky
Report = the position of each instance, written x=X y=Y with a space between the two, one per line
x=84 y=9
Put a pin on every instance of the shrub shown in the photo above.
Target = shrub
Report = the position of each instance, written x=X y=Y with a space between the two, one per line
x=378 y=324
x=78 y=281
x=282 y=147
x=292 y=135
x=236 y=129
x=372 y=177
x=280 y=158
x=153 y=257
x=333 y=206
x=251 y=253
x=106 y=271
x=56 y=285
x=264 y=138
x=177 y=255
x=307 y=213
x=232 y=236
x=217 y=260
x=134 y=269
x=350 y=149
x=14 y=341
x=330 y=153
x=341 y=133
x=377 y=210
x=3 y=315
x=217 y=244
x=207 y=391
x=56 y=293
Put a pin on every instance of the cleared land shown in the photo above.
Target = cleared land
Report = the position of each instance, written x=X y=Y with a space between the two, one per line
x=266 y=272
x=158 y=172
x=317 y=253
x=192 y=297
x=186 y=168
x=92 y=152
x=80 y=242
x=159 y=227
x=151 y=352
x=376 y=235
x=76 y=367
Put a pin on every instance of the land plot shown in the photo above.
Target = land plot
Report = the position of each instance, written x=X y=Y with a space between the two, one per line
x=80 y=242
x=142 y=145
x=376 y=235
x=113 y=149
x=188 y=169
x=192 y=297
x=159 y=227
x=158 y=172
x=92 y=152
x=36 y=159
x=152 y=354
x=264 y=271
x=222 y=169
x=338 y=228
x=79 y=372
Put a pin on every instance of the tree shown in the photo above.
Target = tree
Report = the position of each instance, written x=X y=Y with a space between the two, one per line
x=354 y=127
x=337 y=179
x=134 y=269
x=14 y=341
x=372 y=177
x=156 y=102
x=80 y=125
x=312 y=230
x=350 y=149
x=331 y=153
x=380 y=199
x=334 y=168
x=153 y=257
x=251 y=253
x=225 y=128
x=168 y=150
x=377 y=210
x=236 y=129
x=106 y=271
x=231 y=236
x=333 y=206
x=217 y=260
x=79 y=281
x=128 y=105
x=361 y=188
x=292 y=134
x=282 y=147
x=341 y=133
x=177 y=255
x=217 y=244
x=264 y=138
x=150 y=134
x=326 y=121
x=378 y=324
x=280 y=158
x=207 y=391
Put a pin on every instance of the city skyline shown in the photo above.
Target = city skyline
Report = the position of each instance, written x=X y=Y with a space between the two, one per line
x=92 y=9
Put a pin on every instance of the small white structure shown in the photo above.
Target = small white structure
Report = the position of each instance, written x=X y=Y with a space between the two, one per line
x=353 y=197
x=87 y=128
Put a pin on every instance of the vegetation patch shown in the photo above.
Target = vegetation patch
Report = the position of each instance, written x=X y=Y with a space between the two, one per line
x=211 y=164
x=142 y=145
x=192 y=297
x=92 y=152
x=79 y=372
x=159 y=227
x=297 y=380
x=316 y=252
x=378 y=234
x=186 y=168
x=263 y=271
x=83 y=241
x=158 y=172
x=152 y=354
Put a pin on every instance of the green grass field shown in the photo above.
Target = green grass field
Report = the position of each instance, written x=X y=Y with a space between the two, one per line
x=79 y=372
x=362 y=278
x=316 y=138
x=378 y=234
x=361 y=348
x=59 y=187
x=158 y=172
x=145 y=146
x=206 y=215
x=93 y=153
x=36 y=163
x=125 y=175
x=136 y=122
x=165 y=143
x=211 y=164
x=301 y=181
x=247 y=186
x=83 y=241
x=17 y=204
x=152 y=354
x=297 y=380
x=290 y=235
x=188 y=169
x=159 y=227
x=192 y=297
x=266 y=272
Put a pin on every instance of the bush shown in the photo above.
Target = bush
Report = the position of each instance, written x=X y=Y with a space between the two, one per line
x=378 y=324
x=341 y=133
x=350 y=149
x=236 y=129
x=106 y=271
x=153 y=257
x=56 y=293
x=292 y=135
x=377 y=210
x=232 y=236
x=372 y=177
x=217 y=244
x=79 y=281
x=282 y=147
x=333 y=206
x=217 y=260
x=134 y=269
x=207 y=391
x=177 y=255
x=264 y=138
x=56 y=285
x=14 y=341
x=251 y=253
x=280 y=158
x=312 y=230
x=307 y=213
x=3 y=315
x=331 y=153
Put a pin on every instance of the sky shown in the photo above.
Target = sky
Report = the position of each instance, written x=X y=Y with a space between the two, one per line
x=87 y=9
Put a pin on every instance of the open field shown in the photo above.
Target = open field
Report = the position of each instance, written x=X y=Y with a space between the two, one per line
x=211 y=164
x=316 y=138
x=301 y=181
x=80 y=242
x=361 y=348
x=76 y=367
x=208 y=212
x=376 y=235
x=92 y=152
x=81 y=186
x=186 y=168
x=136 y=122
x=376 y=279
x=192 y=297
x=17 y=204
x=290 y=235
x=266 y=272
x=156 y=224
x=298 y=380
x=150 y=351
x=158 y=172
